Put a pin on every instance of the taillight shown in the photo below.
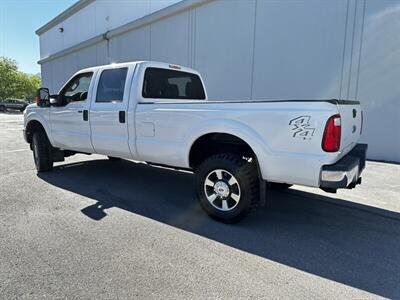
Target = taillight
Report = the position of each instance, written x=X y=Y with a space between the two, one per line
x=332 y=134
x=362 y=122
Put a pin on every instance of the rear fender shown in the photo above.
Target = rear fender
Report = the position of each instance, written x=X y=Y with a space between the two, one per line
x=258 y=144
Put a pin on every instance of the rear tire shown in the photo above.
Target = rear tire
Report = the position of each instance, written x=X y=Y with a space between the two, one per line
x=42 y=152
x=114 y=158
x=279 y=186
x=227 y=187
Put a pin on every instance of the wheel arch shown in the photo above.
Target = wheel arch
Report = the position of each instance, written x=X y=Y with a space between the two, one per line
x=215 y=143
x=33 y=126
x=234 y=129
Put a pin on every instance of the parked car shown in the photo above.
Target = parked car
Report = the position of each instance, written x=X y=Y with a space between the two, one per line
x=13 y=104
x=159 y=113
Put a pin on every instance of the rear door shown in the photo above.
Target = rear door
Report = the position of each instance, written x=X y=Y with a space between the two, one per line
x=108 y=113
x=350 y=113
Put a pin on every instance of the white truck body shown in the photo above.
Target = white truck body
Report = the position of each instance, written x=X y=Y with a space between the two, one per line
x=285 y=136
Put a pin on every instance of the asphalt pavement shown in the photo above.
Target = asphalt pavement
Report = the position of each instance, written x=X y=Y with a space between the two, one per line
x=95 y=228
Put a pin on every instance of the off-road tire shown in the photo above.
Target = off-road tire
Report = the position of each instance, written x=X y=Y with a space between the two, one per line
x=247 y=177
x=112 y=158
x=279 y=186
x=42 y=152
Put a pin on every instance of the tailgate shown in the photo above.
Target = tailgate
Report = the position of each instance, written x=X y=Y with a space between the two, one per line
x=350 y=112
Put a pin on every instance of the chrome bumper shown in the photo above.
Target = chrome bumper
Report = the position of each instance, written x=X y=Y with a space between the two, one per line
x=338 y=176
x=346 y=172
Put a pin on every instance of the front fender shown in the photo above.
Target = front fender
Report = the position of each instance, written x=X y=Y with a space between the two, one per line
x=42 y=119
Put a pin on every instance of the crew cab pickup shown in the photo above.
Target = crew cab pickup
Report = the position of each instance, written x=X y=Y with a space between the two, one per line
x=160 y=114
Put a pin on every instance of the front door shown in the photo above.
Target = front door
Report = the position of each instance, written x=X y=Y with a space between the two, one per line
x=70 y=119
x=108 y=114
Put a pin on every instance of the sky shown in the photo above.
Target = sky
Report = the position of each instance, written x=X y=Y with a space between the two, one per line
x=19 y=19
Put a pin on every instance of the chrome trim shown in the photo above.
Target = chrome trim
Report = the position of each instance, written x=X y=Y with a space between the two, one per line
x=222 y=190
x=338 y=176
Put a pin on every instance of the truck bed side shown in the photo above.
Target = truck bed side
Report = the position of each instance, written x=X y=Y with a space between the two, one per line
x=285 y=135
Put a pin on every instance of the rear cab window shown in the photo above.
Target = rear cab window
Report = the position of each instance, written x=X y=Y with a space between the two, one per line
x=161 y=83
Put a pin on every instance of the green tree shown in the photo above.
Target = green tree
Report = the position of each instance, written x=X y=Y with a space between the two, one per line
x=16 y=84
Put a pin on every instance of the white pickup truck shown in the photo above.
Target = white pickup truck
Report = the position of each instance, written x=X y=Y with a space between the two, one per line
x=159 y=113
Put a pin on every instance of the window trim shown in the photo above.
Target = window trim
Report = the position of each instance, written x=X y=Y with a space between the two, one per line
x=96 y=91
x=73 y=78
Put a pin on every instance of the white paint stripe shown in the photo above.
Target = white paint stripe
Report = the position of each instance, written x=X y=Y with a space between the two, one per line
x=17 y=150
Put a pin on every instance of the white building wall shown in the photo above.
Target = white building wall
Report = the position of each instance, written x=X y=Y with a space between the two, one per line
x=169 y=39
x=264 y=49
x=379 y=88
x=299 y=53
x=97 y=18
x=131 y=46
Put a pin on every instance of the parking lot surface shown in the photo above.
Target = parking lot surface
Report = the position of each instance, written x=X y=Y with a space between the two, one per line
x=94 y=228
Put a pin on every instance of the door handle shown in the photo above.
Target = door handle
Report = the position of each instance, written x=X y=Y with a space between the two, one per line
x=85 y=115
x=122 y=116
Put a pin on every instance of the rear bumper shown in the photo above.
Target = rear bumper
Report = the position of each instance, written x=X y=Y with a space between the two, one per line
x=346 y=173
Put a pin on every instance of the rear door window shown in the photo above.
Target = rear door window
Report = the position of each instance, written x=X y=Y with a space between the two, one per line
x=171 y=84
x=111 y=85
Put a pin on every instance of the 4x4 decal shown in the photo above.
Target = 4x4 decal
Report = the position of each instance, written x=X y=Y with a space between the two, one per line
x=301 y=127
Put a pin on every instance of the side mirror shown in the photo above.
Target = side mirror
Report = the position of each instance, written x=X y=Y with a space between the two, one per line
x=42 y=97
x=55 y=100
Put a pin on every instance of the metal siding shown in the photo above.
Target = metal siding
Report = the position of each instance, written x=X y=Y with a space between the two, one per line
x=59 y=75
x=299 y=49
x=357 y=43
x=379 y=87
x=131 y=46
x=111 y=14
x=223 y=47
x=169 y=39
x=70 y=66
x=47 y=76
x=95 y=19
x=86 y=58
x=101 y=53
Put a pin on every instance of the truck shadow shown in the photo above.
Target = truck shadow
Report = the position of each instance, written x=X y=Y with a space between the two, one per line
x=357 y=246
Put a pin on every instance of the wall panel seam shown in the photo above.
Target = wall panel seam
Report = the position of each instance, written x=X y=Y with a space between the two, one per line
x=253 y=50
x=344 y=48
x=360 y=49
x=352 y=49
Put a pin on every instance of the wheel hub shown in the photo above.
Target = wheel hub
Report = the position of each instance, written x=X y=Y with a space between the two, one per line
x=221 y=189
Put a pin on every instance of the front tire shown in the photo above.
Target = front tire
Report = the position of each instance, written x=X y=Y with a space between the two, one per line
x=3 y=108
x=227 y=187
x=42 y=152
